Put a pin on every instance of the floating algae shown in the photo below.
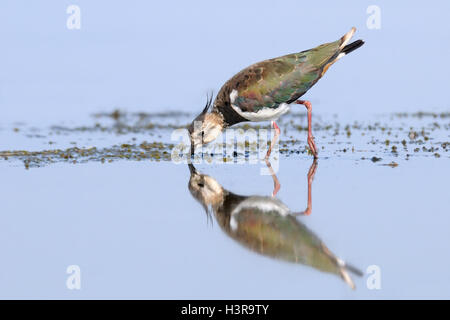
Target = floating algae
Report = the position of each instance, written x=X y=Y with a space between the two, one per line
x=119 y=135
x=154 y=151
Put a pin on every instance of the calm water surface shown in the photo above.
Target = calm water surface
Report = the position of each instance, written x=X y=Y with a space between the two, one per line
x=95 y=194
x=138 y=229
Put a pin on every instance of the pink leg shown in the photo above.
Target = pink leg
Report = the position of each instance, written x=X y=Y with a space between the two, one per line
x=311 y=173
x=274 y=140
x=276 y=183
x=312 y=145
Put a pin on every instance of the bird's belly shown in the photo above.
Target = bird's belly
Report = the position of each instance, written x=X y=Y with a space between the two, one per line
x=264 y=114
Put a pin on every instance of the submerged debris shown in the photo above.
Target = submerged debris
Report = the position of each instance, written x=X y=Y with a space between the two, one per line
x=393 y=164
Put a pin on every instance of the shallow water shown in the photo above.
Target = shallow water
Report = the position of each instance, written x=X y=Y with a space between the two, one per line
x=124 y=214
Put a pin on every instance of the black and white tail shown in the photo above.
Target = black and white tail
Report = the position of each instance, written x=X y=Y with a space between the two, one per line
x=347 y=48
x=352 y=46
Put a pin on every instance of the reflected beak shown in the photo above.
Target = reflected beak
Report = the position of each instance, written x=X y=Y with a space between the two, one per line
x=192 y=148
x=192 y=169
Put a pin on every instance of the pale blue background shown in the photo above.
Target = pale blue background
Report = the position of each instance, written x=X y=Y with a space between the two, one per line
x=133 y=227
x=157 y=55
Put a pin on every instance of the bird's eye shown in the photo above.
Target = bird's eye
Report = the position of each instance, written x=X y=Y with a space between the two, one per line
x=201 y=185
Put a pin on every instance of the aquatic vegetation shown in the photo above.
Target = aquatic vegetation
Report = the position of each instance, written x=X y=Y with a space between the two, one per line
x=155 y=151
x=118 y=135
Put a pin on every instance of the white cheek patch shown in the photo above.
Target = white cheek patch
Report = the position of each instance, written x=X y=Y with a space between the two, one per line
x=211 y=133
x=213 y=185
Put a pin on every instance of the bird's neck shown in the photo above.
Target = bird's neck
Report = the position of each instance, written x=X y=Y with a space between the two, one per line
x=228 y=114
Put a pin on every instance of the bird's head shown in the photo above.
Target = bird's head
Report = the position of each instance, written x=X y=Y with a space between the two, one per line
x=205 y=127
x=205 y=189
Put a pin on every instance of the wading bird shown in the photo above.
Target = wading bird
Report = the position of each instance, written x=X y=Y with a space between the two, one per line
x=267 y=226
x=265 y=90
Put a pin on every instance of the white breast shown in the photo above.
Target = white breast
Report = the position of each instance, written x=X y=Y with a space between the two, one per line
x=266 y=114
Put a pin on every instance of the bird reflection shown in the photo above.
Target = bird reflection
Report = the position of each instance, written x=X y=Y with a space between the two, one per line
x=266 y=225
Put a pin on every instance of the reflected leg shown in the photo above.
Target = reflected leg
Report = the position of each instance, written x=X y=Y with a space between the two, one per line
x=276 y=183
x=311 y=173
x=274 y=140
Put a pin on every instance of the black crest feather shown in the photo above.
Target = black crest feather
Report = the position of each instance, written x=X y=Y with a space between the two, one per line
x=209 y=100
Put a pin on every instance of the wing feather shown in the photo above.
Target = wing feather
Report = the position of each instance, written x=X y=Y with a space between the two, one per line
x=269 y=83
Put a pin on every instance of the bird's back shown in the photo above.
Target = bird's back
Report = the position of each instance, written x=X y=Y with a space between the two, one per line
x=282 y=80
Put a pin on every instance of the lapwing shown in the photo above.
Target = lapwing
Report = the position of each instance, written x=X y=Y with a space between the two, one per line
x=267 y=226
x=264 y=91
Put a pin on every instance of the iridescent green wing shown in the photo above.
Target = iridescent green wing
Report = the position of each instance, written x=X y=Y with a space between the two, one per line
x=282 y=80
